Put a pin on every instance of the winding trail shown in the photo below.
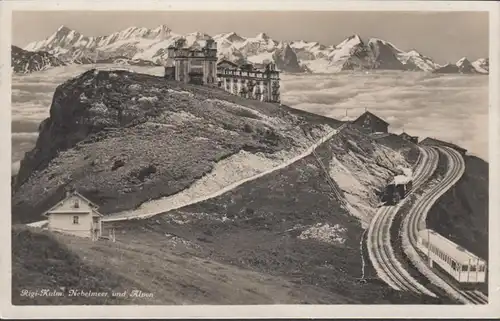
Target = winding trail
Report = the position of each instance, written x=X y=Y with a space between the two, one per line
x=380 y=250
x=130 y=215
x=307 y=152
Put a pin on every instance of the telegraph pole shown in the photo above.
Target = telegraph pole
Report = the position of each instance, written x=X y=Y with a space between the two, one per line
x=429 y=247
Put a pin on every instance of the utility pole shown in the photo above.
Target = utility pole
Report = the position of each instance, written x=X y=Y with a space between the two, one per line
x=429 y=247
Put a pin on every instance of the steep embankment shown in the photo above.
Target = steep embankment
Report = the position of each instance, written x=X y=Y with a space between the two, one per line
x=124 y=138
x=462 y=213
x=288 y=224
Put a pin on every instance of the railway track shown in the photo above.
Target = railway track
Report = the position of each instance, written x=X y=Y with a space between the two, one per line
x=476 y=297
x=417 y=218
x=380 y=250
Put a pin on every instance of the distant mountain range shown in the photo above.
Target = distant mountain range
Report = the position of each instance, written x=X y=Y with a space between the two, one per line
x=136 y=45
x=24 y=61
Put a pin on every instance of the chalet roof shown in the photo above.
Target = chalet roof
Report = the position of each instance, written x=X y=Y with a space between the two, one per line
x=74 y=193
x=434 y=141
x=369 y=114
x=455 y=251
x=407 y=135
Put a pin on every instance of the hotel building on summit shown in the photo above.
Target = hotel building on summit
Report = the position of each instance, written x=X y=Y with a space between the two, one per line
x=250 y=81
x=198 y=64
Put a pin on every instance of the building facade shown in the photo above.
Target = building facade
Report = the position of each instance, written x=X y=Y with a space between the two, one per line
x=247 y=82
x=195 y=64
x=75 y=215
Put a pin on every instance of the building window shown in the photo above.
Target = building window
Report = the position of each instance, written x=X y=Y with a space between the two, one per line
x=481 y=268
x=453 y=265
x=75 y=219
x=465 y=268
x=76 y=204
x=473 y=268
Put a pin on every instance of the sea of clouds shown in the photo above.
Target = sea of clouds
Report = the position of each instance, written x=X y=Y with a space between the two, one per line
x=448 y=107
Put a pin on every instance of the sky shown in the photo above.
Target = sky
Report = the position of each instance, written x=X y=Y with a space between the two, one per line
x=444 y=36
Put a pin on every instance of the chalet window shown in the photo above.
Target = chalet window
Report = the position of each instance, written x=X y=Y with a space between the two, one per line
x=75 y=219
x=473 y=268
x=465 y=268
x=453 y=265
x=481 y=268
x=76 y=204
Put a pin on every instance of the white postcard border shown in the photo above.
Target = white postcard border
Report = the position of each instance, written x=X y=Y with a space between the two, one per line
x=250 y=311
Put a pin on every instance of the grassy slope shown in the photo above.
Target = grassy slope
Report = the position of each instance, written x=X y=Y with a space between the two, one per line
x=39 y=262
x=462 y=213
x=164 y=266
x=160 y=146
x=256 y=226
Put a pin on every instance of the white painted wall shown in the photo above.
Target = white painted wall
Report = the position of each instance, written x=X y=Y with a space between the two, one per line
x=61 y=217
x=63 y=222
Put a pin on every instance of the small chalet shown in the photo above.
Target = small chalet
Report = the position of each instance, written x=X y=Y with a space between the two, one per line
x=75 y=215
x=408 y=137
x=436 y=142
x=372 y=123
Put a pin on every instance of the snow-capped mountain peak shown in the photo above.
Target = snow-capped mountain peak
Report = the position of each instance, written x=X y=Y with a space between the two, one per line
x=262 y=36
x=351 y=40
x=462 y=61
x=234 y=37
x=139 y=43
x=482 y=65
x=63 y=28
x=380 y=42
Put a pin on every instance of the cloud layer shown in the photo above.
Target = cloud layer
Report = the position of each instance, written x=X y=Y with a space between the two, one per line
x=448 y=107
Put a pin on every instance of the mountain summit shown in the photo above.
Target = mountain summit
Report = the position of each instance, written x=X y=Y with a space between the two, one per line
x=353 y=53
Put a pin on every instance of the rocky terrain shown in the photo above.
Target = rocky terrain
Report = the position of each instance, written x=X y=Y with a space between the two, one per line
x=23 y=61
x=123 y=138
x=143 y=44
x=294 y=235
x=289 y=224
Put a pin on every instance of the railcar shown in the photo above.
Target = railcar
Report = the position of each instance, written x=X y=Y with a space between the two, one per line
x=396 y=191
x=463 y=266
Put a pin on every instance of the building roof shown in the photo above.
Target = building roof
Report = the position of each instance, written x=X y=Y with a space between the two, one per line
x=407 y=135
x=369 y=114
x=80 y=196
x=455 y=251
x=227 y=62
x=433 y=141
